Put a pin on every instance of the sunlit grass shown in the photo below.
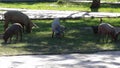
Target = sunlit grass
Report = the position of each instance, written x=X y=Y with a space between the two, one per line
x=77 y=37
x=55 y=6
x=109 y=9
x=111 y=0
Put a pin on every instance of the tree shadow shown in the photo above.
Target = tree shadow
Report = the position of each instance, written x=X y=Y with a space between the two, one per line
x=110 y=5
x=27 y=3
x=79 y=38
x=94 y=9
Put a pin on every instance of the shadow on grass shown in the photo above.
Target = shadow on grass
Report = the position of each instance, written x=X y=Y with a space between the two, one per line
x=79 y=38
x=110 y=5
x=24 y=3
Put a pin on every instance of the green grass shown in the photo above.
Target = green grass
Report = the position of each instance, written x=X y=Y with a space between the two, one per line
x=77 y=39
x=111 y=0
x=55 y=6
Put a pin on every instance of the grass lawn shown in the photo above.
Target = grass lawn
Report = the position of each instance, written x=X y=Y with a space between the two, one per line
x=55 y=6
x=77 y=38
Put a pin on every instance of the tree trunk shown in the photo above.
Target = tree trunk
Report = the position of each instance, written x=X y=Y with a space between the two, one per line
x=95 y=5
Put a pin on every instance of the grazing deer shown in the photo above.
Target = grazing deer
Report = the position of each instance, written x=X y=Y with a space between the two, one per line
x=107 y=30
x=17 y=16
x=57 y=29
x=15 y=29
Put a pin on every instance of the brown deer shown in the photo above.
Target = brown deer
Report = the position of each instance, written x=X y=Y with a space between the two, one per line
x=14 y=29
x=17 y=16
x=107 y=30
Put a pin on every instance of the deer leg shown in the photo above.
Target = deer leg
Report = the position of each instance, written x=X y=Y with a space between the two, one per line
x=17 y=37
x=21 y=35
x=52 y=34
